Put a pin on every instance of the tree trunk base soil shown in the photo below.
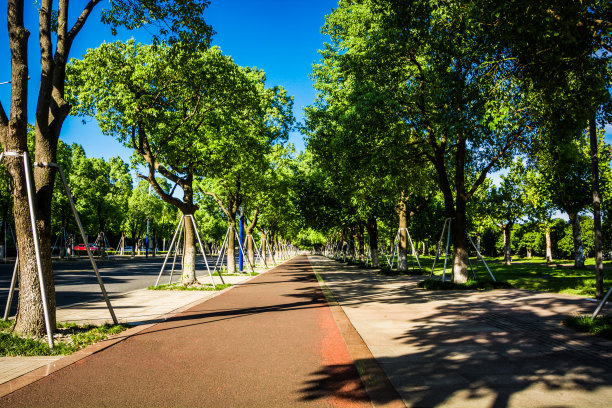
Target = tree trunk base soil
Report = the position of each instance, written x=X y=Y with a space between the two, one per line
x=271 y=342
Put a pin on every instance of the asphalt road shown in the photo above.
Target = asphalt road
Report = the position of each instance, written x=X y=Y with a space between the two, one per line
x=75 y=281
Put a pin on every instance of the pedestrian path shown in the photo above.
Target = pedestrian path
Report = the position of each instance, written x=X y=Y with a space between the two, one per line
x=269 y=342
x=275 y=341
x=138 y=307
x=503 y=348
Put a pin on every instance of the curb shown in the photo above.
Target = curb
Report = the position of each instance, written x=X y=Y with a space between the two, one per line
x=41 y=372
x=377 y=385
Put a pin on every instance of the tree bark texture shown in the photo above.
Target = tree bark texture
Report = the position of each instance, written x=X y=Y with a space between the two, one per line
x=402 y=245
x=231 y=245
x=250 y=247
x=549 y=257
x=13 y=136
x=599 y=289
x=508 y=243
x=189 y=255
x=460 y=244
x=264 y=249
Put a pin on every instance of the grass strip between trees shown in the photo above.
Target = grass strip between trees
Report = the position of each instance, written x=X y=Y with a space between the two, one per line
x=601 y=326
x=178 y=286
x=72 y=337
x=531 y=274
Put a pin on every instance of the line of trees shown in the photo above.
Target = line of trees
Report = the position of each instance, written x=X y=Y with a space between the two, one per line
x=198 y=124
x=419 y=102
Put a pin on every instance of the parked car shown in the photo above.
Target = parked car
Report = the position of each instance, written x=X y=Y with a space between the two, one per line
x=81 y=247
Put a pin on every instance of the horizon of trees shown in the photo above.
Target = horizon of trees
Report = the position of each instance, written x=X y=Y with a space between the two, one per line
x=417 y=104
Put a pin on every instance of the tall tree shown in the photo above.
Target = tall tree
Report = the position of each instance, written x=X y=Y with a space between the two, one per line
x=175 y=19
x=180 y=111
x=565 y=50
x=240 y=159
x=449 y=86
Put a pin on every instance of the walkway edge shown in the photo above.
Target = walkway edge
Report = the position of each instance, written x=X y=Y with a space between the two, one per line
x=378 y=387
x=41 y=372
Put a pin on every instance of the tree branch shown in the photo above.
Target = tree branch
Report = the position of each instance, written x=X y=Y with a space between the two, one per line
x=78 y=25
x=483 y=173
x=218 y=200
x=3 y=117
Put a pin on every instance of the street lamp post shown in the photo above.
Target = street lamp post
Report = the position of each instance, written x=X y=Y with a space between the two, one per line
x=241 y=238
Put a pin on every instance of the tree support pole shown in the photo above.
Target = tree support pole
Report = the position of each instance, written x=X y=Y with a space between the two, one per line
x=447 y=247
x=221 y=252
x=82 y=231
x=9 y=301
x=41 y=279
x=169 y=250
x=176 y=250
x=480 y=257
x=601 y=304
x=241 y=248
x=204 y=253
x=395 y=245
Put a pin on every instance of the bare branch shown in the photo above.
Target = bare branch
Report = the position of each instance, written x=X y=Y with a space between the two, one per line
x=78 y=25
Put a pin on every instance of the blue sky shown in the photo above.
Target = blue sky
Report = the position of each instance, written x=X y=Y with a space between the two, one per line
x=280 y=37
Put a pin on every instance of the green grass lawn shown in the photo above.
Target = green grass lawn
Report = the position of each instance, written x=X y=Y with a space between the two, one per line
x=533 y=274
x=75 y=337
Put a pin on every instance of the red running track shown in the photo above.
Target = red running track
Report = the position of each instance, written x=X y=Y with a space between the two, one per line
x=271 y=342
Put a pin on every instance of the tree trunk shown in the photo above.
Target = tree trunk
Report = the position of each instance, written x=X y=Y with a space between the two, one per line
x=361 y=243
x=231 y=243
x=577 y=235
x=372 y=229
x=30 y=317
x=264 y=252
x=599 y=289
x=460 y=243
x=250 y=247
x=508 y=243
x=529 y=252
x=549 y=257
x=402 y=246
x=13 y=136
x=189 y=255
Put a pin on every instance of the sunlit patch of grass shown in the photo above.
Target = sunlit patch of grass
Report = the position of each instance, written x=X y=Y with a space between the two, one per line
x=600 y=326
x=533 y=275
x=73 y=338
x=178 y=286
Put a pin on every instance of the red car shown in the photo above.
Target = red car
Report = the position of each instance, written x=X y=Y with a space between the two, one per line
x=81 y=247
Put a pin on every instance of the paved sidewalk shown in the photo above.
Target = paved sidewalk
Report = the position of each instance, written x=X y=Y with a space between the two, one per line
x=503 y=348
